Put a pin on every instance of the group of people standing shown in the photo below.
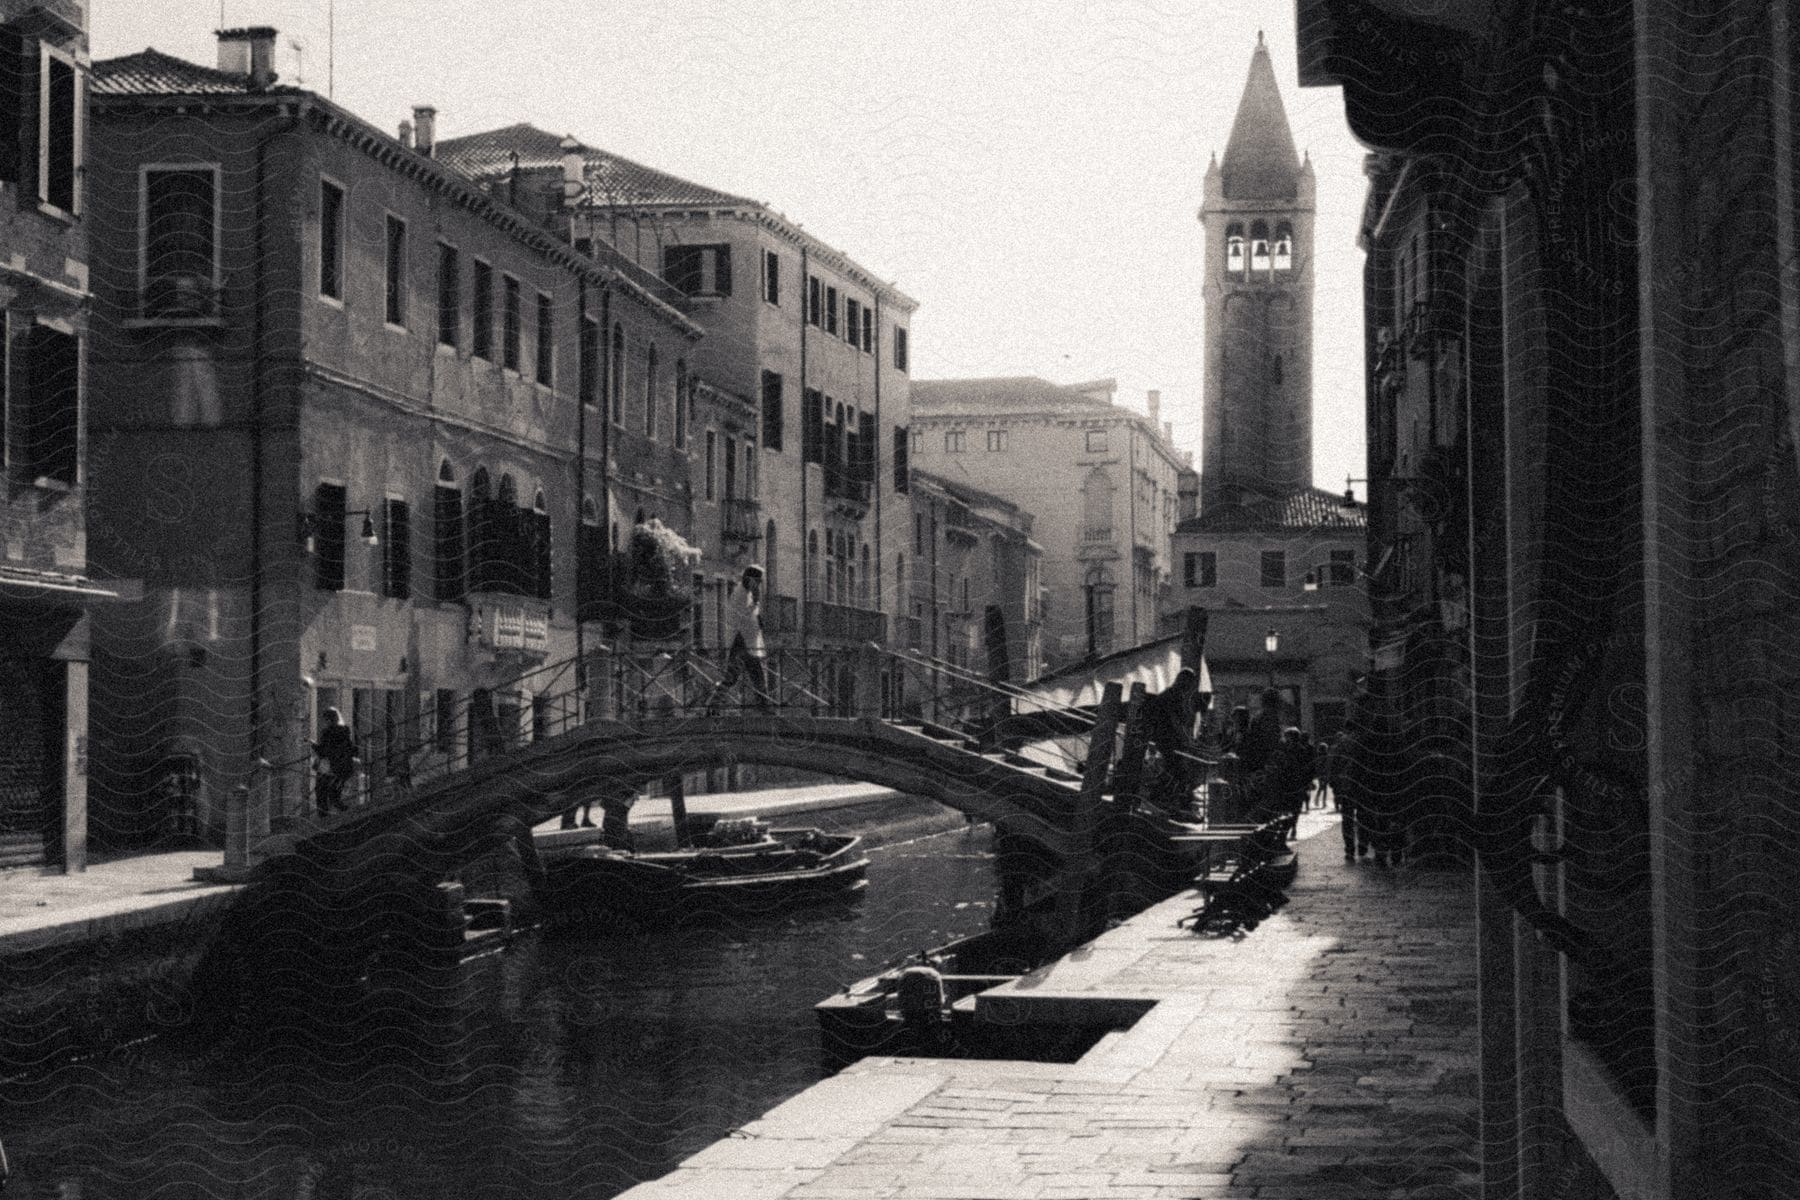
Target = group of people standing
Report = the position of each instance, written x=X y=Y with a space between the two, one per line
x=1279 y=771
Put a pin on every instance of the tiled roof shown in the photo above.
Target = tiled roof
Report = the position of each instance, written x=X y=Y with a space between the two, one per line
x=153 y=73
x=1310 y=508
x=612 y=180
x=1004 y=392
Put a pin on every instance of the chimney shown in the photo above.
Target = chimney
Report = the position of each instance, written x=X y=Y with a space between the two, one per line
x=425 y=129
x=249 y=52
x=406 y=136
x=1155 y=406
x=1169 y=432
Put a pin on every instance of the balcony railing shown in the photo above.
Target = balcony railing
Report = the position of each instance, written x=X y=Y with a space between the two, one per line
x=842 y=622
x=842 y=484
x=741 y=519
x=1097 y=533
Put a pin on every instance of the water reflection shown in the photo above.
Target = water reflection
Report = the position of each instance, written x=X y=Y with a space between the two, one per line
x=577 y=1065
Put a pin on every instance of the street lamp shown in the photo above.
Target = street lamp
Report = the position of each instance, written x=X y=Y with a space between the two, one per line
x=1349 y=506
x=1271 y=644
x=309 y=528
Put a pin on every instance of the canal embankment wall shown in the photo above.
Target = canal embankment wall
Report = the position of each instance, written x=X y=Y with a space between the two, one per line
x=94 y=960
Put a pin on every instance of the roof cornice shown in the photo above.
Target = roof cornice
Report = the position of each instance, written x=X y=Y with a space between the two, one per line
x=432 y=174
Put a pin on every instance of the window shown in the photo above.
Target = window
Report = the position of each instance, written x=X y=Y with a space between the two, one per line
x=1096 y=441
x=328 y=537
x=852 y=321
x=996 y=439
x=772 y=277
x=1200 y=570
x=771 y=410
x=331 y=240
x=444 y=724
x=541 y=561
x=181 y=245
x=618 y=374
x=731 y=474
x=449 y=299
x=681 y=403
x=831 y=310
x=396 y=271
x=1259 y=246
x=1274 y=568
x=1234 y=248
x=650 y=392
x=699 y=607
x=812 y=426
x=589 y=382
x=43 y=413
x=815 y=300
x=902 y=459
x=868 y=331
x=510 y=321
x=1284 y=246
x=591 y=565
x=1099 y=589
x=698 y=270
x=918 y=441
x=481 y=312
x=447 y=534
x=1097 y=506
x=953 y=441
x=712 y=449
x=59 y=130
x=396 y=550
x=899 y=348
x=1343 y=569
x=919 y=535
x=546 y=341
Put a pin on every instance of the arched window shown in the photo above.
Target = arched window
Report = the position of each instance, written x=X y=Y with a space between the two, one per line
x=448 y=533
x=483 y=533
x=537 y=558
x=1284 y=246
x=618 y=374
x=445 y=473
x=1259 y=246
x=812 y=561
x=1234 y=248
x=650 y=392
x=681 y=403
x=901 y=608
x=1097 y=506
x=862 y=595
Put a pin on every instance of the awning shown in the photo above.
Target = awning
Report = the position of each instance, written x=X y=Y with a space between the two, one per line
x=57 y=591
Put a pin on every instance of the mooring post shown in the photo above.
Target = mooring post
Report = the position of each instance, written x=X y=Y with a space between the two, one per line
x=678 y=809
x=1128 y=776
x=1088 y=807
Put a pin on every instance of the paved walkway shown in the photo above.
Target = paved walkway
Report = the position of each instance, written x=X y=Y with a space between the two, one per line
x=1327 y=1054
x=42 y=907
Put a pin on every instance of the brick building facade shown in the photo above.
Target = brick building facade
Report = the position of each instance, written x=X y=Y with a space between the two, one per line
x=45 y=594
x=345 y=410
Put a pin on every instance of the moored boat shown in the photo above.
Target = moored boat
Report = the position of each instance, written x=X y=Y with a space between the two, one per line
x=925 y=1002
x=774 y=870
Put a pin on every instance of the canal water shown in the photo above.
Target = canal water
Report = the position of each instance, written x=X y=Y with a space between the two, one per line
x=578 y=1065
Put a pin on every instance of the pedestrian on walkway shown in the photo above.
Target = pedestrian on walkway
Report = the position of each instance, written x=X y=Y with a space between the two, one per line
x=1263 y=736
x=1169 y=722
x=744 y=636
x=336 y=754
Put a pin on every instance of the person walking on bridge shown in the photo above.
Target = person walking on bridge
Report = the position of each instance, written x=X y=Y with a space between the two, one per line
x=743 y=635
x=336 y=752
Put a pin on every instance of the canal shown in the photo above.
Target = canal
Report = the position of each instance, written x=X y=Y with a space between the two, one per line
x=580 y=1064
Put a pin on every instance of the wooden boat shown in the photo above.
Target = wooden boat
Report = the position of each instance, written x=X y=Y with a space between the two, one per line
x=923 y=1003
x=784 y=867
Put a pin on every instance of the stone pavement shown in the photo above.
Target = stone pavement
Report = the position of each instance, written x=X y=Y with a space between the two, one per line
x=42 y=907
x=1327 y=1054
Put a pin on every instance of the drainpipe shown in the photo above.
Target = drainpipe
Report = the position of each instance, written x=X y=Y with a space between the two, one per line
x=1131 y=508
x=805 y=425
x=874 y=453
x=580 y=476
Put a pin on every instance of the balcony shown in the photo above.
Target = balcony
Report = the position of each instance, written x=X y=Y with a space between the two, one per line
x=960 y=525
x=505 y=625
x=740 y=520
x=841 y=622
x=842 y=484
x=1095 y=534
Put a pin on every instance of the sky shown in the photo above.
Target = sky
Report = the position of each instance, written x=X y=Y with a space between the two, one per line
x=1028 y=170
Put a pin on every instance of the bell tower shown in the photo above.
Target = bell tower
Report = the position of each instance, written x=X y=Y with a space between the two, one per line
x=1258 y=284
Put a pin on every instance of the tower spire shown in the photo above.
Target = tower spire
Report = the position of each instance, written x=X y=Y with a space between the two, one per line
x=1260 y=162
